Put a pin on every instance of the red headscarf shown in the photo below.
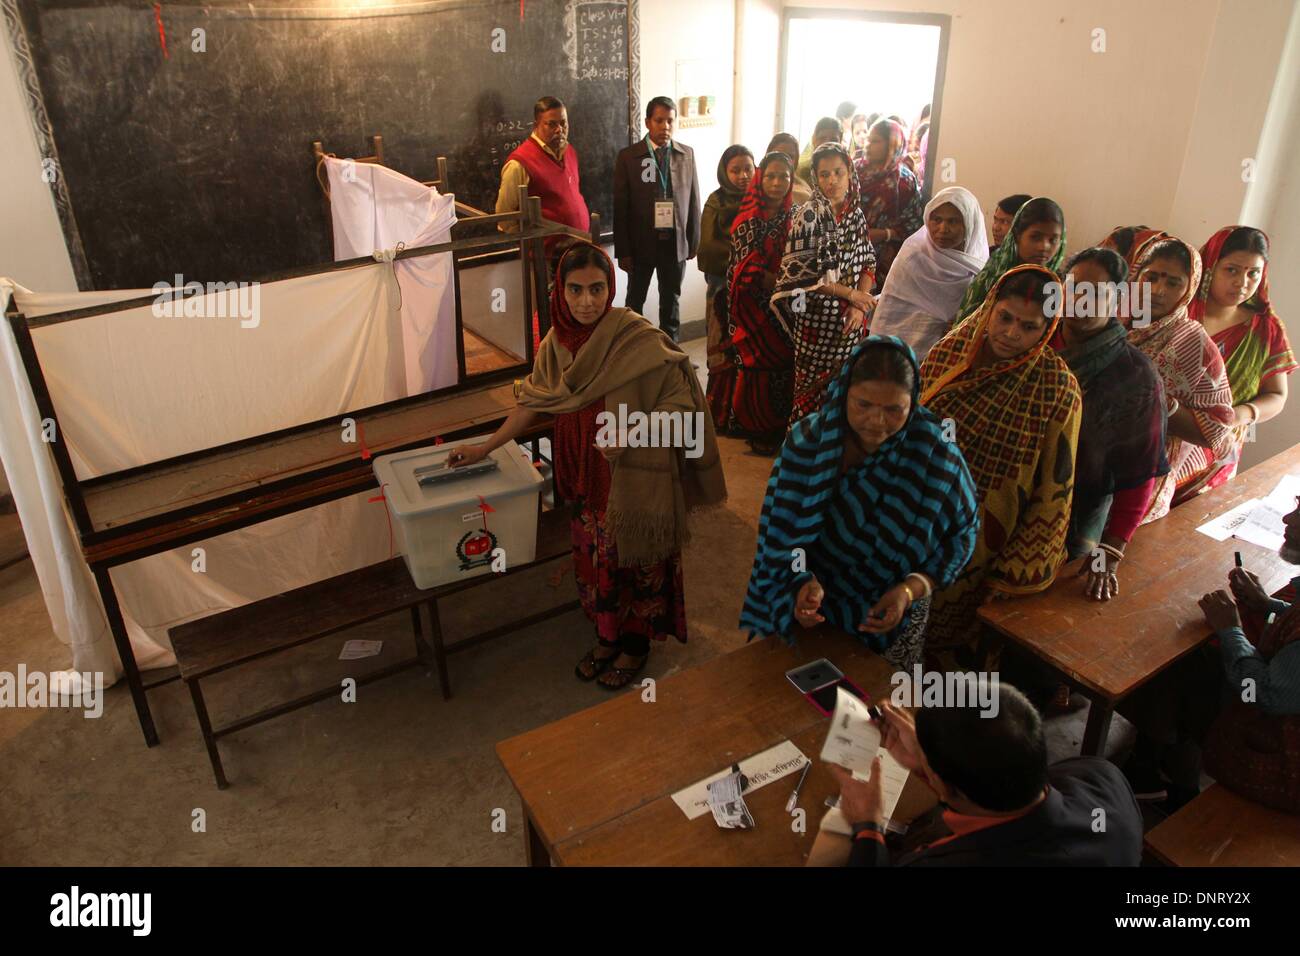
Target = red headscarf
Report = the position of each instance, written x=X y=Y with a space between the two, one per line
x=1210 y=253
x=572 y=333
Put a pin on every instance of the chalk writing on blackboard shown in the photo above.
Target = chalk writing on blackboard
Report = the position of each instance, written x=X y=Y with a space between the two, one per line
x=596 y=39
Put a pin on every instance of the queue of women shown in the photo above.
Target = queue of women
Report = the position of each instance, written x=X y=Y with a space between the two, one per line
x=948 y=427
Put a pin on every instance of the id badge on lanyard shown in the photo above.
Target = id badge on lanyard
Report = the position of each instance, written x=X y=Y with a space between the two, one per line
x=663 y=207
x=663 y=213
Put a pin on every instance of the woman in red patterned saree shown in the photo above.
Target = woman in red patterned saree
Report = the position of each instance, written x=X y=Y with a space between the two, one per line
x=753 y=398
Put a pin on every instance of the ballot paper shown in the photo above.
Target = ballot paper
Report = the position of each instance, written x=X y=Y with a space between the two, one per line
x=1263 y=526
x=761 y=769
x=893 y=779
x=728 y=804
x=356 y=650
x=853 y=741
x=1282 y=497
x=1222 y=527
x=1258 y=520
x=853 y=738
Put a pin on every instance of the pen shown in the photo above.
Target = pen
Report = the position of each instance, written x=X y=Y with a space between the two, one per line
x=1237 y=555
x=794 y=797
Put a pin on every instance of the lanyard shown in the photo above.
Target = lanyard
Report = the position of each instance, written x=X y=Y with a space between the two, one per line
x=659 y=170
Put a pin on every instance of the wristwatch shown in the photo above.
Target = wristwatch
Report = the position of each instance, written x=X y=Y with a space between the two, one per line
x=870 y=826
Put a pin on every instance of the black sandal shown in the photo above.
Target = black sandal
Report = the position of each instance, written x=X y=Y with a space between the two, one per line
x=624 y=674
x=598 y=665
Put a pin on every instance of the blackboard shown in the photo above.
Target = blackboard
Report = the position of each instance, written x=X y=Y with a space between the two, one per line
x=199 y=161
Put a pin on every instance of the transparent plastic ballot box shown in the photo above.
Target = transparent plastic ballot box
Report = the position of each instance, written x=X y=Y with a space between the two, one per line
x=439 y=523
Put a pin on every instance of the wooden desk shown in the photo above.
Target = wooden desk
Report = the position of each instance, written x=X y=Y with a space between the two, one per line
x=597 y=786
x=1220 y=828
x=1113 y=648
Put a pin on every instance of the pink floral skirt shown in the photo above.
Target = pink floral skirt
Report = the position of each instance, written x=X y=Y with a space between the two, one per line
x=642 y=602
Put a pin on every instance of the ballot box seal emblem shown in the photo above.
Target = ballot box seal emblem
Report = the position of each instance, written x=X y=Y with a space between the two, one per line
x=476 y=547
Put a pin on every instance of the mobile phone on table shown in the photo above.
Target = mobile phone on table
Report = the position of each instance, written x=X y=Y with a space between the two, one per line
x=809 y=677
x=823 y=698
x=818 y=680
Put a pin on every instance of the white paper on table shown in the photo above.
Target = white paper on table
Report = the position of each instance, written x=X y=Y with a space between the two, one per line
x=1263 y=526
x=761 y=769
x=1222 y=527
x=853 y=738
x=356 y=650
x=1282 y=497
x=893 y=781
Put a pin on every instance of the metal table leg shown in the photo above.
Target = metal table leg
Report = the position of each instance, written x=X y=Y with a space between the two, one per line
x=117 y=625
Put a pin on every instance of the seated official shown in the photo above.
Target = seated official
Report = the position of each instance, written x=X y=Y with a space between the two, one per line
x=1234 y=711
x=1253 y=747
x=1002 y=804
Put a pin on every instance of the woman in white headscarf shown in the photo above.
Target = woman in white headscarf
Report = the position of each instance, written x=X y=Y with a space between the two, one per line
x=932 y=270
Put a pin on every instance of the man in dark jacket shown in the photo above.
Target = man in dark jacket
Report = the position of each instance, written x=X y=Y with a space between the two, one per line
x=656 y=213
x=1002 y=804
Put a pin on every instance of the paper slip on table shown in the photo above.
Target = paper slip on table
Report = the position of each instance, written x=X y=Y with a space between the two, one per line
x=1110 y=649
x=597 y=786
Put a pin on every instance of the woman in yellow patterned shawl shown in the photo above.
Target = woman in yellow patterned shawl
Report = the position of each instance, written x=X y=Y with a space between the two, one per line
x=1014 y=408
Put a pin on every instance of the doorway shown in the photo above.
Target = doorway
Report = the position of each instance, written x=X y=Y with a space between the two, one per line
x=886 y=63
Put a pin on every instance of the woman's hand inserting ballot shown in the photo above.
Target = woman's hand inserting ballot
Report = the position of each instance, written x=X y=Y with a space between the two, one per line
x=463 y=455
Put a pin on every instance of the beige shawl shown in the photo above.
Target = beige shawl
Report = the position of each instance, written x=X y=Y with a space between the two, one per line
x=632 y=363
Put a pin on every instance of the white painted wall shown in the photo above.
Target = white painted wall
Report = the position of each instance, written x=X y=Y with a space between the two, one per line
x=674 y=31
x=1273 y=204
x=757 y=75
x=1233 y=95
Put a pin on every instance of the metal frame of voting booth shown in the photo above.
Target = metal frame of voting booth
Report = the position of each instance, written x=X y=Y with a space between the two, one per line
x=148 y=509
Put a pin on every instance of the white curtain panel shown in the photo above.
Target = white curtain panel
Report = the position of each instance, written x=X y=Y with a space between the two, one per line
x=375 y=208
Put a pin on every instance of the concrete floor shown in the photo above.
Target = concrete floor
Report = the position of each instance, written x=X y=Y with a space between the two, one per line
x=401 y=777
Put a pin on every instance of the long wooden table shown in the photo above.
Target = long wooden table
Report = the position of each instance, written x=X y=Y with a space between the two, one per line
x=597 y=786
x=1112 y=648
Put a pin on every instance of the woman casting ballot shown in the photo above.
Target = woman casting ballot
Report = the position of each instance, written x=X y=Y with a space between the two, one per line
x=629 y=504
x=868 y=510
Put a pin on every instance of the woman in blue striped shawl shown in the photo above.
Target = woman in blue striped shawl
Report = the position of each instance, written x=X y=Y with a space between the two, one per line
x=868 y=511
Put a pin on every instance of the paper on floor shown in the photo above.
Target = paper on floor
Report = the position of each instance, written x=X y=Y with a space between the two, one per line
x=356 y=650
x=761 y=769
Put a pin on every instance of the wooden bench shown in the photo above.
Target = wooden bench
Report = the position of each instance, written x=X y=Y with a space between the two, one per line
x=221 y=641
x=1221 y=828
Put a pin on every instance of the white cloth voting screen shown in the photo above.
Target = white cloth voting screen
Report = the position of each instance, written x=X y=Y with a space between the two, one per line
x=131 y=387
x=374 y=207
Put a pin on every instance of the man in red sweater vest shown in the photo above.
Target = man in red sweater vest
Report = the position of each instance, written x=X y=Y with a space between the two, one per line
x=548 y=165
